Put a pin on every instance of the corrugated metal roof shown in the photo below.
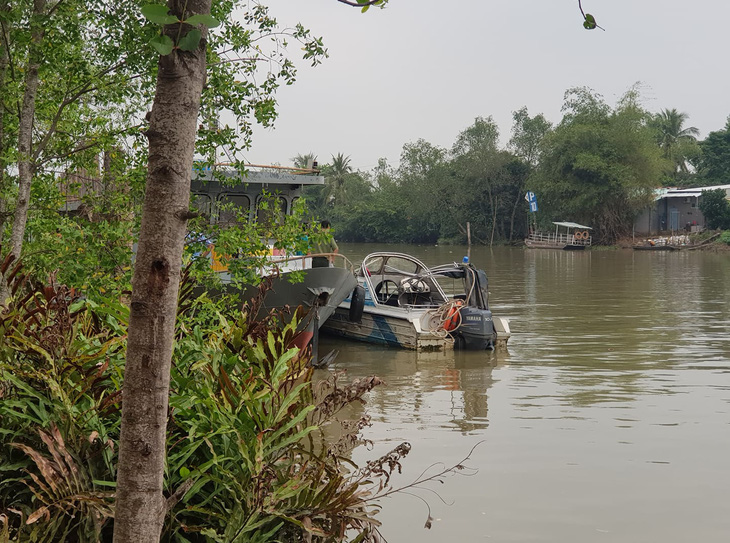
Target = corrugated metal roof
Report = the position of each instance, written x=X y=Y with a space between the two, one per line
x=662 y=193
x=572 y=225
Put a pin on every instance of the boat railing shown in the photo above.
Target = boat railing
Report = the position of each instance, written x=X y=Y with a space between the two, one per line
x=304 y=262
x=560 y=239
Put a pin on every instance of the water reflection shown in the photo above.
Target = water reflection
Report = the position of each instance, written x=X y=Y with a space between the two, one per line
x=608 y=417
x=448 y=389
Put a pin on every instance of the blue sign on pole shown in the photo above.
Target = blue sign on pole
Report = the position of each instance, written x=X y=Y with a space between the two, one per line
x=532 y=200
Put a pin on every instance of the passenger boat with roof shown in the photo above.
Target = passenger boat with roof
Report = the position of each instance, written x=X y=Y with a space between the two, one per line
x=568 y=236
x=223 y=193
x=399 y=301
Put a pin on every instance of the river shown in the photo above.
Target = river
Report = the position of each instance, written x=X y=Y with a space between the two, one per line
x=608 y=418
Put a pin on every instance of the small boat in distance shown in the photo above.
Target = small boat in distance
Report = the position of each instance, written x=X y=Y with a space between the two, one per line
x=400 y=302
x=665 y=243
x=568 y=236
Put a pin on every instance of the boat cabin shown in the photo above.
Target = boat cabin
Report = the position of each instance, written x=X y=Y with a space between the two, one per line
x=224 y=195
x=221 y=191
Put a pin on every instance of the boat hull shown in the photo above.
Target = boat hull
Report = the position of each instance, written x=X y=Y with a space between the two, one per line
x=532 y=244
x=323 y=288
x=656 y=248
x=383 y=329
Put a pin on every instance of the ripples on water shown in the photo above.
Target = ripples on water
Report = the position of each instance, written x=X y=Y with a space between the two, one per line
x=608 y=419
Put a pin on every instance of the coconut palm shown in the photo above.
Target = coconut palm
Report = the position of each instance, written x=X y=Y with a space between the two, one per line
x=677 y=143
x=303 y=161
x=337 y=174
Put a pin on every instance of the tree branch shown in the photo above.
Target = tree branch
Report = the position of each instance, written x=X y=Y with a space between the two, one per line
x=82 y=89
x=359 y=4
x=94 y=143
x=55 y=6
x=6 y=42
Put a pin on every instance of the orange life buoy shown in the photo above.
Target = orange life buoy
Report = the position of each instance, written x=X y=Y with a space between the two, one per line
x=586 y=235
x=453 y=317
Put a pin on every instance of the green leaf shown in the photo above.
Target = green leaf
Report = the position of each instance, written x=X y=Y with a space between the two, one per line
x=110 y=484
x=590 y=22
x=190 y=41
x=162 y=44
x=158 y=13
x=364 y=9
x=207 y=20
x=184 y=472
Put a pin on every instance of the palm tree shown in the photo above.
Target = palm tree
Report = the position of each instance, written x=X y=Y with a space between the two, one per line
x=304 y=161
x=677 y=143
x=338 y=172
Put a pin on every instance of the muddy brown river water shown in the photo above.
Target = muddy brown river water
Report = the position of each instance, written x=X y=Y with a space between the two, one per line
x=607 y=420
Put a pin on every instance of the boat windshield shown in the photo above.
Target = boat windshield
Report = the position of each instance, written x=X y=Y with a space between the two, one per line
x=392 y=264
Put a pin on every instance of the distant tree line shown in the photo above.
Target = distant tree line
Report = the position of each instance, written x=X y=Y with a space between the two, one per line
x=598 y=166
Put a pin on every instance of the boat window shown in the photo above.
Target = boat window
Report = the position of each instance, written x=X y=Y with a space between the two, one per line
x=201 y=203
x=397 y=264
x=233 y=207
x=374 y=265
x=269 y=209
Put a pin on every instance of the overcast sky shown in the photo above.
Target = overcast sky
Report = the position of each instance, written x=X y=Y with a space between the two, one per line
x=427 y=68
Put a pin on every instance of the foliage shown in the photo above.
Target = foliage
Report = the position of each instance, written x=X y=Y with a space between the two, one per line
x=95 y=86
x=713 y=165
x=527 y=135
x=245 y=415
x=725 y=237
x=250 y=457
x=716 y=209
x=484 y=183
x=600 y=165
x=60 y=370
x=678 y=144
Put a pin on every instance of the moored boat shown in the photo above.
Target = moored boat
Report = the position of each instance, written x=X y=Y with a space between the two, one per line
x=319 y=291
x=401 y=302
x=568 y=236
x=222 y=194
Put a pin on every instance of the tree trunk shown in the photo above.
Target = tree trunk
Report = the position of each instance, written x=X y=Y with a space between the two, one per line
x=26 y=167
x=515 y=207
x=140 y=505
x=492 y=213
x=3 y=202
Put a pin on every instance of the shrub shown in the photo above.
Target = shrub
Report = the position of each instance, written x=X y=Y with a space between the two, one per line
x=715 y=208
x=247 y=458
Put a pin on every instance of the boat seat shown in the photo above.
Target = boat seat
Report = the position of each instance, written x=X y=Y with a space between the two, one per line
x=386 y=292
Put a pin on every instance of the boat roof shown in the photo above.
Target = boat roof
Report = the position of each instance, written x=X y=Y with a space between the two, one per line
x=572 y=225
x=258 y=174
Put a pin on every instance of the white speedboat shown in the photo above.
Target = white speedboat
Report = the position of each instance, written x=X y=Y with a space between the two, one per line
x=399 y=301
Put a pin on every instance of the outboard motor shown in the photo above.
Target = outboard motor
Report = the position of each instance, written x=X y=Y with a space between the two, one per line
x=476 y=331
